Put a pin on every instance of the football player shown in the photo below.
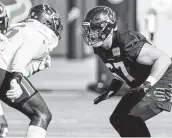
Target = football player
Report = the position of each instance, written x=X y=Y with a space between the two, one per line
x=134 y=61
x=26 y=52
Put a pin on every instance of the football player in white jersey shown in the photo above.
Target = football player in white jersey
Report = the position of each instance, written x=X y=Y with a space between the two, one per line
x=29 y=42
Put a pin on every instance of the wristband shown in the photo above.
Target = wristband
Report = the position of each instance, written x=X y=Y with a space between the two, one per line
x=152 y=80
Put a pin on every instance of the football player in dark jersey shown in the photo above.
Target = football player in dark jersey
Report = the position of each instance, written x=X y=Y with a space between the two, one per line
x=134 y=61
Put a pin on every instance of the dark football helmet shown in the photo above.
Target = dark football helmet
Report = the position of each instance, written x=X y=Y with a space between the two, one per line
x=98 y=24
x=47 y=15
x=4 y=19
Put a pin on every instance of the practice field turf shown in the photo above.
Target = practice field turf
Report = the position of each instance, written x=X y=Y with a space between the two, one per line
x=74 y=115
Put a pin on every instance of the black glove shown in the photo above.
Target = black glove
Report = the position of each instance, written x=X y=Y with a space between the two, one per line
x=3 y=126
x=142 y=88
x=114 y=86
x=106 y=95
x=163 y=94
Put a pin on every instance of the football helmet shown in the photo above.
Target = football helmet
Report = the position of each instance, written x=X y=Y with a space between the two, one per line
x=98 y=24
x=47 y=15
x=4 y=20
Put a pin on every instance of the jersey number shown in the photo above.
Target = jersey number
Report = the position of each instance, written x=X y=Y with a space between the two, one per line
x=121 y=66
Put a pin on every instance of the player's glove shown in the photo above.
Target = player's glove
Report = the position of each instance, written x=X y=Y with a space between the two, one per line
x=142 y=88
x=163 y=94
x=3 y=126
x=106 y=95
x=113 y=88
x=15 y=90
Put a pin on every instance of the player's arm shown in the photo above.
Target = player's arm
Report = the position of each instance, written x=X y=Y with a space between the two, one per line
x=113 y=88
x=160 y=62
x=37 y=65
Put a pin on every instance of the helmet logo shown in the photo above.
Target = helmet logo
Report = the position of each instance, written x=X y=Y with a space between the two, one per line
x=111 y=15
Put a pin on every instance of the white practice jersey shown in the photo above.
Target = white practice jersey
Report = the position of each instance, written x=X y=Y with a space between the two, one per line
x=26 y=41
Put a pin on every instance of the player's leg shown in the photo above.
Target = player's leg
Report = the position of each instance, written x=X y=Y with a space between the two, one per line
x=125 y=124
x=39 y=114
x=142 y=111
x=149 y=106
x=32 y=105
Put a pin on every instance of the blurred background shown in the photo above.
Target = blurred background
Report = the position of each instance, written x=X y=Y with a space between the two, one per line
x=77 y=76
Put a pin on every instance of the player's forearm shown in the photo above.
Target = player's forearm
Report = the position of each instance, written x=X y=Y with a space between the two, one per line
x=159 y=67
x=115 y=86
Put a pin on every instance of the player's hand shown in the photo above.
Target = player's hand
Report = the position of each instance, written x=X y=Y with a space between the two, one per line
x=45 y=63
x=163 y=94
x=15 y=90
x=142 y=88
x=3 y=126
x=104 y=96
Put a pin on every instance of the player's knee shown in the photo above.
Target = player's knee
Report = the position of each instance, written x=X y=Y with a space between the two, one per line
x=41 y=118
x=46 y=116
x=113 y=120
x=49 y=116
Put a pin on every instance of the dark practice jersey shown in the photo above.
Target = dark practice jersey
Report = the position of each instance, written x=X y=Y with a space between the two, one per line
x=121 y=57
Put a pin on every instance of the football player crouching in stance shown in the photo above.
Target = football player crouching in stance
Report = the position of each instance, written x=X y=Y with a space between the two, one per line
x=143 y=67
x=23 y=52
